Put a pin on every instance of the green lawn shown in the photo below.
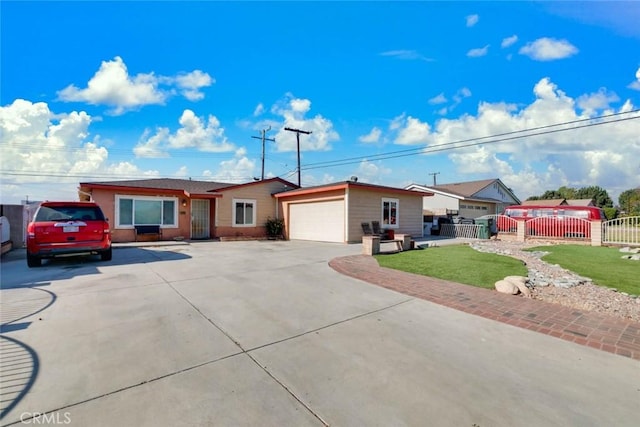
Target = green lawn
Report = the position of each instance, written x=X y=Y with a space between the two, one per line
x=458 y=263
x=603 y=265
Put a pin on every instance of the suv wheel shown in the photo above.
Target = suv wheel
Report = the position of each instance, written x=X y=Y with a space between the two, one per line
x=33 y=261
x=106 y=255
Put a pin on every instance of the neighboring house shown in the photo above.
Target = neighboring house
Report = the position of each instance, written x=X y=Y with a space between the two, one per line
x=470 y=199
x=186 y=209
x=335 y=212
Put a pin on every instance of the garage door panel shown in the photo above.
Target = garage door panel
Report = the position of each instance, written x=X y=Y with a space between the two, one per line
x=319 y=221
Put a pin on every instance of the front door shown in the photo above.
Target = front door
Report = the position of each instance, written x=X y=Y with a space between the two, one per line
x=200 y=219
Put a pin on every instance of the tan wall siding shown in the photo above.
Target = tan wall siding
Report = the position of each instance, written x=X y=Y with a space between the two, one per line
x=265 y=208
x=107 y=200
x=366 y=206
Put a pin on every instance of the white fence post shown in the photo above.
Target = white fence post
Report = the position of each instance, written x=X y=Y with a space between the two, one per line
x=596 y=232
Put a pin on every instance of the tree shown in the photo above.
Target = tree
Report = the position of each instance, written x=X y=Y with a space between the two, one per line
x=599 y=196
x=610 y=213
x=629 y=201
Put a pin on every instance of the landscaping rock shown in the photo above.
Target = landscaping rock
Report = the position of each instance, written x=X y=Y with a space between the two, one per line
x=506 y=287
x=628 y=249
x=521 y=284
x=554 y=284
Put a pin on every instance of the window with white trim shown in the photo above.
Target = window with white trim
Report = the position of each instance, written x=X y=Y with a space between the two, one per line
x=144 y=210
x=390 y=210
x=244 y=213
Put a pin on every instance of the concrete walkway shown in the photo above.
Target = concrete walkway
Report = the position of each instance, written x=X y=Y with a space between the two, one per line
x=595 y=330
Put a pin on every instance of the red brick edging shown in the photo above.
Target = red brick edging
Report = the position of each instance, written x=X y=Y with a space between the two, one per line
x=595 y=330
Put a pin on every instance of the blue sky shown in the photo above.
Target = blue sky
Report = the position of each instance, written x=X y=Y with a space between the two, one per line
x=95 y=91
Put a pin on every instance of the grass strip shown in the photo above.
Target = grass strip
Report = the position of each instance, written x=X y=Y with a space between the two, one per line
x=457 y=263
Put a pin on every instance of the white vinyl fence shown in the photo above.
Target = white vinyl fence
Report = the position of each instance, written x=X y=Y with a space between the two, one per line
x=564 y=227
x=622 y=231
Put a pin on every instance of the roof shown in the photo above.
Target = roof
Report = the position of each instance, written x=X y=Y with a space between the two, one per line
x=187 y=185
x=344 y=185
x=580 y=202
x=287 y=185
x=467 y=189
x=543 y=202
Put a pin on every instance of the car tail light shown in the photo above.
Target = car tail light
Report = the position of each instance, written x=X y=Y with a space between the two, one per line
x=31 y=230
x=106 y=230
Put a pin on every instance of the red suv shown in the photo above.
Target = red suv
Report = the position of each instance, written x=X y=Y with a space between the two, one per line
x=63 y=228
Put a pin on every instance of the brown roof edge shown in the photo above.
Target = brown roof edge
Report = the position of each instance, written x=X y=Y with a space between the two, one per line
x=148 y=190
x=347 y=184
x=262 y=181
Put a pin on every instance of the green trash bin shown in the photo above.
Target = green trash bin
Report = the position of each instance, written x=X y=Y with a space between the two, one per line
x=483 y=230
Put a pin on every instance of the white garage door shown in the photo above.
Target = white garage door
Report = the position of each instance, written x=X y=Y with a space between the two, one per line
x=320 y=221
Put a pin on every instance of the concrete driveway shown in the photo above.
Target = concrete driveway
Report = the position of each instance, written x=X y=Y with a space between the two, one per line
x=265 y=333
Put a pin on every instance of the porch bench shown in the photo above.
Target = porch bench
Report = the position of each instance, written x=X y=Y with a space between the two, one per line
x=145 y=230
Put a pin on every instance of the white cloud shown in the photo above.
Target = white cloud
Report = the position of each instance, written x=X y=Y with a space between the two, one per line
x=458 y=97
x=372 y=137
x=258 y=110
x=397 y=122
x=462 y=93
x=407 y=55
x=598 y=101
x=604 y=155
x=509 y=41
x=153 y=146
x=183 y=172
x=476 y=53
x=481 y=161
x=45 y=155
x=413 y=132
x=190 y=84
x=472 y=20
x=293 y=111
x=548 y=49
x=373 y=173
x=636 y=84
x=194 y=132
x=113 y=86
x=238 y=169
x=439 y=99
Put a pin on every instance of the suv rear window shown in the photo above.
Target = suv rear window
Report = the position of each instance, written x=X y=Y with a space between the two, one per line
x=69 y=213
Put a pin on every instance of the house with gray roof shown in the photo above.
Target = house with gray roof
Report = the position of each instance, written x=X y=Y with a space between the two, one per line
x=186 y=209
x=471 y=199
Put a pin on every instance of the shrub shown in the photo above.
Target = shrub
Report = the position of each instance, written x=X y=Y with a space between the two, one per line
x=275 y=227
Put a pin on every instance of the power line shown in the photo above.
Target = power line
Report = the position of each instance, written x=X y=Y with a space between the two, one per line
x=298 y=132
x=421 y=149
x=264 y=131
x=456 y=144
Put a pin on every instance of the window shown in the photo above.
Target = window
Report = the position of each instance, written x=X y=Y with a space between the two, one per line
x=244 y=213
x=390 y=213
x=142 y=210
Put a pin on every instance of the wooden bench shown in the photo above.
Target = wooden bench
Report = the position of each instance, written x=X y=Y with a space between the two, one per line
x=145 y=230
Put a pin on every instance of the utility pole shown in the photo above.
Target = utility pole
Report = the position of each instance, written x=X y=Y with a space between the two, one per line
x=298 y=132
x=264 y=131
x=434 y=176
